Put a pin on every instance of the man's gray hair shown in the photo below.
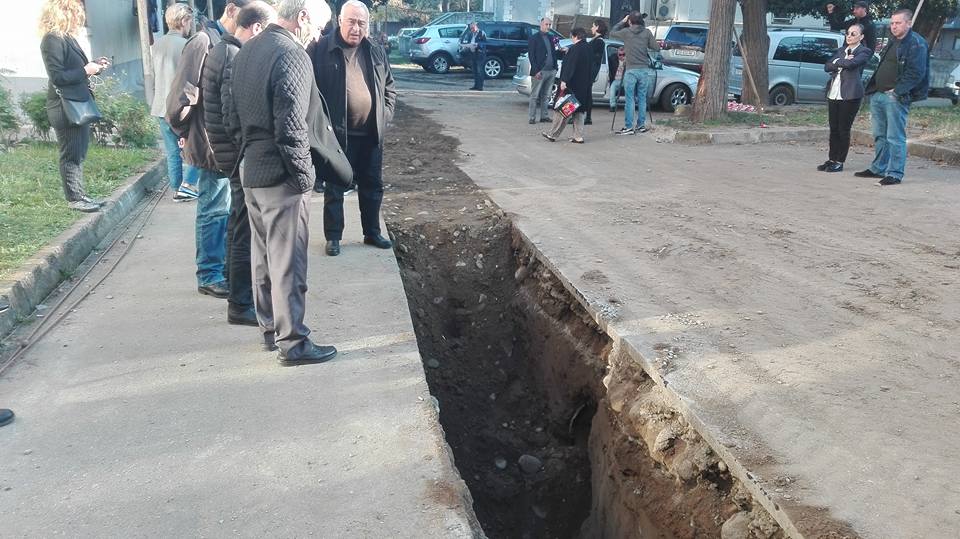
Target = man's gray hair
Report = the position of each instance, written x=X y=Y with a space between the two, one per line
x=357 y=4
x=288 y=9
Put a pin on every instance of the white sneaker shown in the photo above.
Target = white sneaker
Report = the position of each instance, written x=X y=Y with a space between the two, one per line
x=625 y=131
x=84 y=206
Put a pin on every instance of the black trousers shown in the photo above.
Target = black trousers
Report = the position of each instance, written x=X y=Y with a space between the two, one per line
x=478 y=74
x=73 y=142
x=238 y=250
x=366 y=157
x=841 y=112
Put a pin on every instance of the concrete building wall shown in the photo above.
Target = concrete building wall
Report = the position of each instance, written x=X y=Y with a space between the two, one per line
x=111 y=31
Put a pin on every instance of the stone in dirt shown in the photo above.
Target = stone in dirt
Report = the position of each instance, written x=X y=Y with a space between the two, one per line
x=529 y=464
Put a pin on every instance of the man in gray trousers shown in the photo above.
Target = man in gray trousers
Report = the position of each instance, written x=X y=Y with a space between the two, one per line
x=542 y=53
x=286 y=142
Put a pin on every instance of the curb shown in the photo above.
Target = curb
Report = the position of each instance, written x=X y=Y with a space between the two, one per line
x=914 y=149
x=752 y=136
x=43 y=272
x=812 y=134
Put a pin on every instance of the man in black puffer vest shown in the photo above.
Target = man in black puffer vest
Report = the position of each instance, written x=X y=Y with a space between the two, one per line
x=287 y=142
x=217 y=113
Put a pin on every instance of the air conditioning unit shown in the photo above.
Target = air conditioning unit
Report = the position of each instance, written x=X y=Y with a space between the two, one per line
x=665 y=10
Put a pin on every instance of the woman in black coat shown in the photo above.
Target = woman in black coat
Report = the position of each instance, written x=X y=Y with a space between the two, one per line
x=844 y=93
x=576 y=77
x=68 y=70
x=598 y=47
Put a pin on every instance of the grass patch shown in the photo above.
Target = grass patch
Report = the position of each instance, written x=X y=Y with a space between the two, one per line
x=32 y=207
x=936 y=125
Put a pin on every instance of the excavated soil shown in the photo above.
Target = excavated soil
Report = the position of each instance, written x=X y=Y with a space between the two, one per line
x=556 y=431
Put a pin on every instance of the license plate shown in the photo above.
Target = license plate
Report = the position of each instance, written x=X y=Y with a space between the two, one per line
x=684 y=52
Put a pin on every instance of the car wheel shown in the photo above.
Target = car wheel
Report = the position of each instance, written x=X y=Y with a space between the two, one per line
x=675 y=95
x=439 y=63
x=781 y=95
x=493 y=67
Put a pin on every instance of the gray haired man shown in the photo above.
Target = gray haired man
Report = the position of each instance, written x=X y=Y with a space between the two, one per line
x=542 y=53
x=284 y=147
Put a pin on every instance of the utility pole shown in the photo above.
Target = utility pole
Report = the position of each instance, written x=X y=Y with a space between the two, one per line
x=144 y=26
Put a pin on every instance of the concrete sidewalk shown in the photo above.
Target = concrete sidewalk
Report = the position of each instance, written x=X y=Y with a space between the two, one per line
x=145 y=415
x=817 y=316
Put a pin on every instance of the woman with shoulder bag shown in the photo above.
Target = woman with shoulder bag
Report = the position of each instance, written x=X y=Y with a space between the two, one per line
x=844 y=93
x=576 y=78
x=70 y=105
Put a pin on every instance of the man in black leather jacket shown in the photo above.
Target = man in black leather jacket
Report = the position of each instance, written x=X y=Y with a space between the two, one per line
x=287 y=141
x=354 y=76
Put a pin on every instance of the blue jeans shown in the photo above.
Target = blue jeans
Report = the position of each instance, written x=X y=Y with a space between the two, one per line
x=635 y=83
x=213 y=211
x=889 y=118
x=174 y=161
x=615 y=92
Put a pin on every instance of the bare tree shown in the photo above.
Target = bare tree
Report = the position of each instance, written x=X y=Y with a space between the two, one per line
x=756 y=45
x=711 y=99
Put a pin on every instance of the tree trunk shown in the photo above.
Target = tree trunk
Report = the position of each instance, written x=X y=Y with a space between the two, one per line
x=711 y=99
x=756 y=45
x=929 y=27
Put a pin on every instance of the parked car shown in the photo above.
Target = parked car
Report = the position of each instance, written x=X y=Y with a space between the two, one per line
x=403 y=40
x=683 y=46
x=945 y=78
x=436 y=48
x=506 y=41
x=673 y=86
x=795 y=60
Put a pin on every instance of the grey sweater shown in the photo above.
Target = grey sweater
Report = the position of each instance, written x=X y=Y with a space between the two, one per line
x=637 y=41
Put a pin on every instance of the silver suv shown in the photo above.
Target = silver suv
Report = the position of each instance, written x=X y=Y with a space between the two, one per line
x=795 y=64
x=436 y=48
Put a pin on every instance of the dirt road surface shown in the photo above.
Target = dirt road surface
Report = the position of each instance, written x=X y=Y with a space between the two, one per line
x=816 y=315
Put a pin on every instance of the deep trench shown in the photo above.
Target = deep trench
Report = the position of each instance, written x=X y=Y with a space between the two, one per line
x=556 y=431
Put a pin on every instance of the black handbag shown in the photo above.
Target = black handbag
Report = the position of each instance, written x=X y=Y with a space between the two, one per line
x=80 y=113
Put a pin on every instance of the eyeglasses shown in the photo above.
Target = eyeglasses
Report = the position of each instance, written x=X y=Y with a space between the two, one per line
x=359 y=23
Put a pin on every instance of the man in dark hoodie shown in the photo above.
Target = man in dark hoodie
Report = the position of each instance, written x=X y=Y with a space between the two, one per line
x=861 y=16
x=185 y=116
x=638 y=41
x=218 y=112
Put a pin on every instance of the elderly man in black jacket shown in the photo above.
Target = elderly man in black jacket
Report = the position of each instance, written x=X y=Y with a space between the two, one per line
x=217 y=111
x=286 y=142
x=355 y=79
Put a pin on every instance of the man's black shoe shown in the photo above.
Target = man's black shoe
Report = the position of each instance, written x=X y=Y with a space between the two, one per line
x=588 y=121
x=242 y=317
x=823 y=167
x=546 y=120
x=834 y=167
x=377 y=241
x=532 y=121
x=269 y=342
x=6 y=416
x=333 y=247
x=889 y=180
x=312 y=353
x=217 y=290
x=867 y=174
